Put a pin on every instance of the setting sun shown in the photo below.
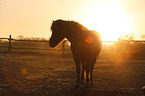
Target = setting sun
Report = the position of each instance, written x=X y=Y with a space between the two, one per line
x=110 y=20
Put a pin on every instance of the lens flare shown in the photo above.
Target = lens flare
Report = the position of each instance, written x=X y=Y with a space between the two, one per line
x=24 y=71
x=90 y=40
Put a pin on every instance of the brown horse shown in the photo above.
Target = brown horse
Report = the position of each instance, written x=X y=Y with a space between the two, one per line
x=85 y=46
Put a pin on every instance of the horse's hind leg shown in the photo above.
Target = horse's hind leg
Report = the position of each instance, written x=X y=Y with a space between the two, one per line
x=87 y=72
x=91 y=75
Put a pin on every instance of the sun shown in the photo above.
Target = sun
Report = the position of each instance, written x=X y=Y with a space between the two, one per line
x=110 y=20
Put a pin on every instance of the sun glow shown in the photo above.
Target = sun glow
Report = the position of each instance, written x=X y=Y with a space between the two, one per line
x=108 y=18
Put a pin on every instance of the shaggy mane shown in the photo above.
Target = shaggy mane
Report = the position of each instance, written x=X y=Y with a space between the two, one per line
x=77 y=25
x=73 y=24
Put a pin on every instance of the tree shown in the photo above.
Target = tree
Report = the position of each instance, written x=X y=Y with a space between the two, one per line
x=124 y=42
x=127 y=37
x=143 y=36
x=20 y=37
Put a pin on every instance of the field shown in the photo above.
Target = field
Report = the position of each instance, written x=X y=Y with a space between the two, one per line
x=46 y=73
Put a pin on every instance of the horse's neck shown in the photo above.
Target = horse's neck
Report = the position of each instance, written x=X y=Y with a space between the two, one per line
x=70 y=36
x=74 y=33
x=75 y=36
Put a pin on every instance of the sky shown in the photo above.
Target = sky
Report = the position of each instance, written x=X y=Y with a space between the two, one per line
x=33 y=18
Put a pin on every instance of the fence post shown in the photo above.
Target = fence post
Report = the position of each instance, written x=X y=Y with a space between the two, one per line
x=10 y=43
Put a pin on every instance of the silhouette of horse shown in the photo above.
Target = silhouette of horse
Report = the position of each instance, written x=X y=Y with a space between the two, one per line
x=85 y=46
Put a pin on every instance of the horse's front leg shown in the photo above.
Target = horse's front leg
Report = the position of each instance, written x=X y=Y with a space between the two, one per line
x=77 y=61
x=78 y=72
x=78 y=69
x=91 y=71
x=82 y=74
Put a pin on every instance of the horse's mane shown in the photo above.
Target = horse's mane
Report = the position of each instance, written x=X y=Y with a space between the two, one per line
x=71 y=24
x=77 y=25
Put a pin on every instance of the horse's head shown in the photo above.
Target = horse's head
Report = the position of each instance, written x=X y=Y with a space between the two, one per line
x=57 y=33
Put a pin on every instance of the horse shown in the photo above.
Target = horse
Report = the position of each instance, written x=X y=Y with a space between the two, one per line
x=85 y=46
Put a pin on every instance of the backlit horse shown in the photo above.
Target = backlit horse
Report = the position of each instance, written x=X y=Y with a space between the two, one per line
x=85 y=46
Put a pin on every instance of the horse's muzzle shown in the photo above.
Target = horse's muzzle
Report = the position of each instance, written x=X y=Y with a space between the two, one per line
x=51 y=44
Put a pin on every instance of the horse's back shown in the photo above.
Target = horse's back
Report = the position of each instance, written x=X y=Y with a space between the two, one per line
x=89 y=45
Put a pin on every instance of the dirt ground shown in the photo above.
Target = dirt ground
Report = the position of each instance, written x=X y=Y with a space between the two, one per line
x=45 y=75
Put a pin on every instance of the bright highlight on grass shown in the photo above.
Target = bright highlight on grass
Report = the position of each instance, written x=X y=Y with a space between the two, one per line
x=24 y=71
x=107 y=43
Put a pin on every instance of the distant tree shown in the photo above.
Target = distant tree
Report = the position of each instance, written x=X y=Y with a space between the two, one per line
x=124 y=42
x=20 y=37
x=127 y=37
x=143 y=36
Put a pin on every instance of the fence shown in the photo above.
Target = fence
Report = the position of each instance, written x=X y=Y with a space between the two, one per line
x=10 y=39
x=63 y=48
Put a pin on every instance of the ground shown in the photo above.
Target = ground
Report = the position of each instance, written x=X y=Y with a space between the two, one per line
x=44 y=75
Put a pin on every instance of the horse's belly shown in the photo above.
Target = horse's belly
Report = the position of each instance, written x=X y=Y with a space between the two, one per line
x=86 y=51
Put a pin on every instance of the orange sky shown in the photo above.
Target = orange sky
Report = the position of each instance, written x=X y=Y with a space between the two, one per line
x=32 y=18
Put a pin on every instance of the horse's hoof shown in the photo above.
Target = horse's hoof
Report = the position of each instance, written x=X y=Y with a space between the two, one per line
x=92 y=83
x=87 y=86
x=82 y=82
x=77 y=85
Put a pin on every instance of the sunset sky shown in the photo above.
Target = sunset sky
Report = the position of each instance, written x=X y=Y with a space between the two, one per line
x=33 y=18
